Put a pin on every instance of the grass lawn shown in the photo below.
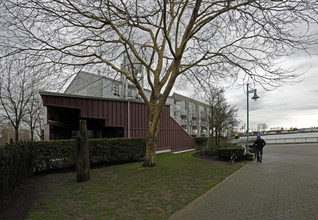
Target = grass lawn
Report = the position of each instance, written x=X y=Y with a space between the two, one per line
x=129 y=191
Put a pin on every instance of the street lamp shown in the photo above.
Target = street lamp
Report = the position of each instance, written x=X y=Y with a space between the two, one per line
x=255 y=96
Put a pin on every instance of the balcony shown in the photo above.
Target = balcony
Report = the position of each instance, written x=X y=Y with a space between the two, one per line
x=183 y=112
x=183 y=121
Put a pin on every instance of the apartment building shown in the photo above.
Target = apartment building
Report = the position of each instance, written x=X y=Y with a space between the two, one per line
x=7 y=135
x=189 y=113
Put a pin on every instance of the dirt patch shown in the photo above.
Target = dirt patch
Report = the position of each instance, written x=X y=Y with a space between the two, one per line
x=21 y=201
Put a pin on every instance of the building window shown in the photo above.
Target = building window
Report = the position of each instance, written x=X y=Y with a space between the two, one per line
x=116 y=89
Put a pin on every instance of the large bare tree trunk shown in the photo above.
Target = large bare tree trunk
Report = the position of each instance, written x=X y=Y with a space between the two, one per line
x=152 y=138
x=151 y=146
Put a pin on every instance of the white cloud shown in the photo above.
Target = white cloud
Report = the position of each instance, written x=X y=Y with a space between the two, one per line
x=287 y=106
x=291 y=105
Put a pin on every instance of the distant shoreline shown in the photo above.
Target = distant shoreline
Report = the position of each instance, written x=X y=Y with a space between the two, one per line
x=285 y=135
x=252 y=134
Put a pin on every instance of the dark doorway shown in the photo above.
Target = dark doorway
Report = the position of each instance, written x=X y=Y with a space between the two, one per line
x=62 y=122
x=113 y=132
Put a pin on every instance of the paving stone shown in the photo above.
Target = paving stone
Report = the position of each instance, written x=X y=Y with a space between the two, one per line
x=284 y=186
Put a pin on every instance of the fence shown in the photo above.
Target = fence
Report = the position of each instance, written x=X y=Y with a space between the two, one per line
x=289 y=140
x=296 y=140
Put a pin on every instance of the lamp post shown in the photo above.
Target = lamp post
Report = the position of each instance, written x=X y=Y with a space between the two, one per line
x=255 y=96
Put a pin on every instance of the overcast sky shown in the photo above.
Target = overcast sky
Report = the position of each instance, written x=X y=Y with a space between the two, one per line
x=287 y=106
x=294 y=105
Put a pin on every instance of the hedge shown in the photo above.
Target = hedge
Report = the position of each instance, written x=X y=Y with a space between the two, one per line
x=19 y=161
x=62 y=153
x=54 y=154
x=16 y=165
x=117 y=150
x=227 y=152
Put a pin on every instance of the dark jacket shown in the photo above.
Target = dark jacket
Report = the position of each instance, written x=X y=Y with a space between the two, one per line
x=259 y=144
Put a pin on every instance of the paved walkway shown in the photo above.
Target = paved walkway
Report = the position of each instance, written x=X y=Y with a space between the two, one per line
x=284 y=186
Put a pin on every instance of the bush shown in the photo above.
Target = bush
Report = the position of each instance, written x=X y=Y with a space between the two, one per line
x=117 y=149
x=54 y=154
x=16 y=165
x=62 y=153
x=201 y=141
x=19 y=161
x=227 y=152
x=205 y=146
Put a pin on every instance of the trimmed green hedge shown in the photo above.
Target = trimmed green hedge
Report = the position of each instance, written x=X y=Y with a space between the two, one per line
x=16 y=165
x=54 y=154
x=117 y=149
x=62 y=153
x=227 y=152
x=19 y=161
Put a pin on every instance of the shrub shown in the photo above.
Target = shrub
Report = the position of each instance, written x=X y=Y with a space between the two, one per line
x=62 y=153
x=16 y=165
x=54 y=154
x=19 y=161
x=227 y=152
x=206 y=147
x=117 y=149
x=201 y=141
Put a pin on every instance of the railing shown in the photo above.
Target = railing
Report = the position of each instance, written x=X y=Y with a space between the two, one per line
x=297 y=140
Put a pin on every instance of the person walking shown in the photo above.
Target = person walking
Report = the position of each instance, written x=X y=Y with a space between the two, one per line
x=258 y=146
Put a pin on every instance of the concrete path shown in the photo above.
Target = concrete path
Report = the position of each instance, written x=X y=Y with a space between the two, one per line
x=284 y=186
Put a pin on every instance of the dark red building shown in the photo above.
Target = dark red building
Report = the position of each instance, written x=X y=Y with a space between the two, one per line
x=107 y=118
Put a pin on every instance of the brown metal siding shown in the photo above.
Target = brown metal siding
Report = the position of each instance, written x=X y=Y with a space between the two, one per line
x=138 y=120
x=171 y=135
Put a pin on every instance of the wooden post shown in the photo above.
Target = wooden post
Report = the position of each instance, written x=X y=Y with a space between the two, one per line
x=82 y=154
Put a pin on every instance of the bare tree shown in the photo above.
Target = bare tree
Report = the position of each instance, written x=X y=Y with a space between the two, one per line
x=230 y=119
x=202 y=40
x=204 y=123
x=33 y=116
x=13 y=97
x=19 y=100
x=223 y=117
